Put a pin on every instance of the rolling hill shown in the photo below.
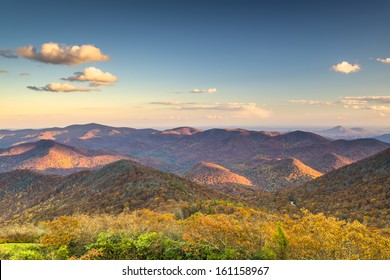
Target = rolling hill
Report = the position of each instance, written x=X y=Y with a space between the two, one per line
x=273 y=174
x=359 y=191
x=211 y=174
x=29 y=196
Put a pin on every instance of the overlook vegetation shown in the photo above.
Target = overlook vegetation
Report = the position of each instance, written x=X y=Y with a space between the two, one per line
x=206 y=230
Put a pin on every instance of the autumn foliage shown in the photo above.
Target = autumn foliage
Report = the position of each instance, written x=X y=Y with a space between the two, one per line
x=209 y=230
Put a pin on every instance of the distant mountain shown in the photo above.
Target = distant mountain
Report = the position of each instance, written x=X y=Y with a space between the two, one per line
x=88 y=135
x=176 y=150
x=358 y=191
x=384 y=138
x=299 y=138
x=27 y=195
x=210 y=174
x=274 y=174
x=52 y=157
x=182 y=131
x=341 y=132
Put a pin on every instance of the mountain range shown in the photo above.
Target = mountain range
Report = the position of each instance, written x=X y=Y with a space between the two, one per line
x=269 y=160
x=126 y=169
x=359 y=191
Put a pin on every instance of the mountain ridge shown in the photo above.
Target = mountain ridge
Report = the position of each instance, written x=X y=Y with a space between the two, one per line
x=120 y=185
x=50 y=156
x=357 y=191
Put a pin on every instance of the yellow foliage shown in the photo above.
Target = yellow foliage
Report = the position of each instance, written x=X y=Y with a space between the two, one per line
x=61 y=231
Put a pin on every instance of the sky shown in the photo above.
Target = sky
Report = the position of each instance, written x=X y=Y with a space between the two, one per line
x=144 y=63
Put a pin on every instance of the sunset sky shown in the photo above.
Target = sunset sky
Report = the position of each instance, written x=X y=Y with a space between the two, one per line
x=143 y=63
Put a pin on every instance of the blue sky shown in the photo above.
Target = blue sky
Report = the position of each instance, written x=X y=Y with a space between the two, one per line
x=197 y=63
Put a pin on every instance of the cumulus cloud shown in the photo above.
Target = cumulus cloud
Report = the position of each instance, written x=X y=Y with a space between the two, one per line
x=384 y=60
x=55 y=53
x=58 y=87
x=241 y=109
x=3 y=71
x=345 y=67
x=209 y=90
x=94 y=76
x=8 y=54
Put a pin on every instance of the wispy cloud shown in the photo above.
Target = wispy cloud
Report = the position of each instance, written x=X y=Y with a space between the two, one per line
x=171 y=103
x=94 y=76
x=346 y=67
x=380 y=104
x=216 y=117
x=58 y=87
x=55 y=53
x=311 y=102
x=241 y=109
x=384 y=60
x=24 y=74
x=208 y=90
x=358 y=100
x=8 y=54
x=3 y=71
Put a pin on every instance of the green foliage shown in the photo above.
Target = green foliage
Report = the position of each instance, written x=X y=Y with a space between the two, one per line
x=62 y=253
x=119 y=247
x=21 y=251
x=281 y=242
x=28 y=255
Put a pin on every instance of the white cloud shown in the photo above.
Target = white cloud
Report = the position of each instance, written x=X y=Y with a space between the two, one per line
x=209 y=90
x=58 y=87
x=55 y=53
x=3 y=71
x=345 y=67
x=384 y=60
x=95 y=76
